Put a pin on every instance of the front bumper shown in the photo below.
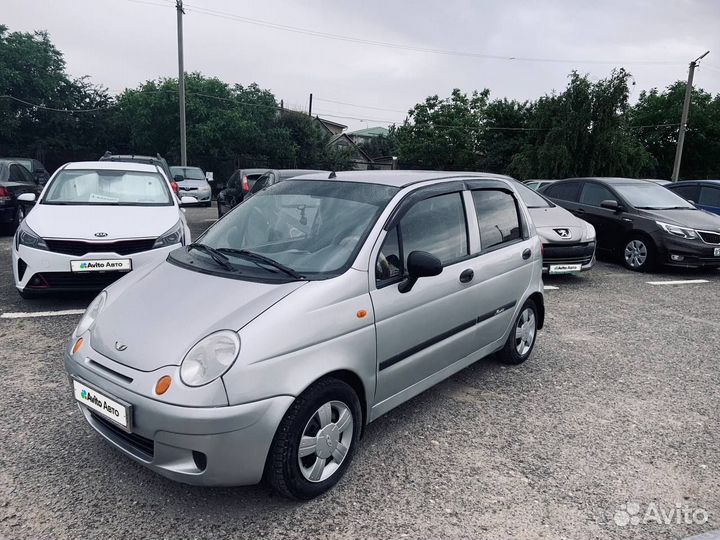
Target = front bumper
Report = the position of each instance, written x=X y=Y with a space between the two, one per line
x=209 y=446
x=694 y=253
x=51 y=270
x=567 y=254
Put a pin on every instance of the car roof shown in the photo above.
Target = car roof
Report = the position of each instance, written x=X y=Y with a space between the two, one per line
x=111 y=166
x=185 y=167
x=709 y=181
x=289 y=173
x=253 y=171
x=400 y=178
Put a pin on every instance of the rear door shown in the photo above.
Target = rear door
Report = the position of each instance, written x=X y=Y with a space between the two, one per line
x=709 y=198
x=564 y=194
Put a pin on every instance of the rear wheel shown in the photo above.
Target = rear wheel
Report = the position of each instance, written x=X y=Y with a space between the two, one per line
x=521 y=341
x=315 y=442
x=638 y=254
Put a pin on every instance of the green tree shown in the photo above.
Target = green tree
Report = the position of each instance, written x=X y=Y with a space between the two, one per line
x=443 y=133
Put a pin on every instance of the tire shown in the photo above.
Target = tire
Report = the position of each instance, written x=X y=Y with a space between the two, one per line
x=318 y=470
x=524 y=329
x=220 y=210
x=638 y=254
x=27 y=295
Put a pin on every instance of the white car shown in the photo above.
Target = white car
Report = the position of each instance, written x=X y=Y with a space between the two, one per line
x=94 y=222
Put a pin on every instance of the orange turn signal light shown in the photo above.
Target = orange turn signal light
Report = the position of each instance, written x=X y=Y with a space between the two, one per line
x=361 y=314
x=77 y=345
x=163 y=384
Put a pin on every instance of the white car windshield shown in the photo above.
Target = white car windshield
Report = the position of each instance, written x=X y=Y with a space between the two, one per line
x=310 y=227
x=109 y=188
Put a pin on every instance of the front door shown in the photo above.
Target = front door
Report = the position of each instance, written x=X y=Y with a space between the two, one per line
x=432 y=326
x=609 y=224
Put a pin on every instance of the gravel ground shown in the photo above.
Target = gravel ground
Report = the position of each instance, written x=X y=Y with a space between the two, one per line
x=617 y=406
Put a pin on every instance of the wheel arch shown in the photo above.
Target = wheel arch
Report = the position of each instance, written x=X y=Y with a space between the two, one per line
x=539 y=300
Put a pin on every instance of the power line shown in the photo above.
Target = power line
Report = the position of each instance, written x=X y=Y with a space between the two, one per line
x=413 y=48
x=359 y=106
x=54 y=109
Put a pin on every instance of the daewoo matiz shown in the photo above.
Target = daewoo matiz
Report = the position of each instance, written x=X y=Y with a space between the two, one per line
x=315 y=307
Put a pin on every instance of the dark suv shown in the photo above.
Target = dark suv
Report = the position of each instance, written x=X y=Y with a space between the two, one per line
x=641 y=221
x=241 y=181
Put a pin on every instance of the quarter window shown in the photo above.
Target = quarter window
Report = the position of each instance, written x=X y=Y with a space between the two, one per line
x=498 y=217
x=593 y=194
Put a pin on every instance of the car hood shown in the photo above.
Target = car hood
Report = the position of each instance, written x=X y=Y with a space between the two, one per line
x=695 y=219
x=159 y=315
x=117 y=222
x=547 y=220
x=197 y=184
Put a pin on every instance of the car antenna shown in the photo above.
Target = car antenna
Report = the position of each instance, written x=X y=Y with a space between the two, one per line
x=332 y=175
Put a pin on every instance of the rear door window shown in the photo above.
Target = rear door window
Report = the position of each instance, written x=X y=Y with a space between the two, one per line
x=565 y=191
x=498 y=218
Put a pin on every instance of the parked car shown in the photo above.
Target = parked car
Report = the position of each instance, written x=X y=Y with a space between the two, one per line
x=241 y=181
x=15 y=180
x=535 y=185
x=568 y=242
x=704 y=194
x=36 y=168
x=278 y=175
x=642 y=222
x=317 y=307
x=157 y=160
x=191 y=182
x=95 y=222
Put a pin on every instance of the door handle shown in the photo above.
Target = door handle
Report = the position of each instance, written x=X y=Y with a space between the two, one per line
x=526 y=254
x=579 y=211
x=467 y=275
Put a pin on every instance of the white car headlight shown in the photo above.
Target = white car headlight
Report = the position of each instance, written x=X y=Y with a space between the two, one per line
x=91 y=313
x=176 y=235
x=589 y=232
x=682 y=232
x=210 y=358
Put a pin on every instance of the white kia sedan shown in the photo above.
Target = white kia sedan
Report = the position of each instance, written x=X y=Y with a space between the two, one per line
x=93 y=223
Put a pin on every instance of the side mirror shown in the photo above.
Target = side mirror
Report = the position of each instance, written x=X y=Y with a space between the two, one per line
x=178 y=178
x=209 y=176
x=27 y=197
x=187 y=201
x=420 y=264
x=611 y=205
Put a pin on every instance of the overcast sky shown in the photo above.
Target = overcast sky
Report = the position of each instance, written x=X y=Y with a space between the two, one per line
x=121 y=43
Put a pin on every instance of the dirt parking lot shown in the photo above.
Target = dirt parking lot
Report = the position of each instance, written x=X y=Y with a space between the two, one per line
x=608 y=431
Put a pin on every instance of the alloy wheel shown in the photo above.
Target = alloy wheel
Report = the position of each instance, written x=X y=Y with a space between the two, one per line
x=636 y=253
x=525 y=331
x=325 y=441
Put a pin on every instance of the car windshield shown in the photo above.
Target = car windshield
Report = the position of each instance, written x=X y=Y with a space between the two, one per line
x=651 y=196
x=108 y=187
x=312 y=228
x=531 y=198
x=190 y=173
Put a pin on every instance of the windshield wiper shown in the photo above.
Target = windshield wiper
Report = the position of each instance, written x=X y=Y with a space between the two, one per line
x=257 y=258
x=216 y=256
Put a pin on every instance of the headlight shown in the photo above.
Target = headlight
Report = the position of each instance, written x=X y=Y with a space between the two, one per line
x=91 y=313
x=210 y=358
x=27 y=237
x=589 y=232
x=682 y=232
x=176 y=235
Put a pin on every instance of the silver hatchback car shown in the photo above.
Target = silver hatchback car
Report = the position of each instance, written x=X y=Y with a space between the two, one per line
x=318 y=305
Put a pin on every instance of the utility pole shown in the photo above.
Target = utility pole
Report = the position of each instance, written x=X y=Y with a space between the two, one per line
x=181 y=84
x=684 y=118
x=310 y=108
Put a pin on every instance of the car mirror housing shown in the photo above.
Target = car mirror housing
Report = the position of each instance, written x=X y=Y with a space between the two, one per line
x=26 y=197
x=185 y=201
x=611 y=205
x=178 y=178
x=420 y=264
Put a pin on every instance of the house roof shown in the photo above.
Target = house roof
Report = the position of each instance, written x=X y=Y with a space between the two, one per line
x=377 y=131
x=351 y=143
x=330 y=122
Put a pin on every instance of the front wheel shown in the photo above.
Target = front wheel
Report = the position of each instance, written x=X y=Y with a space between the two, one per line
x=521 y=341
x=639 y=254
x=315 y=442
